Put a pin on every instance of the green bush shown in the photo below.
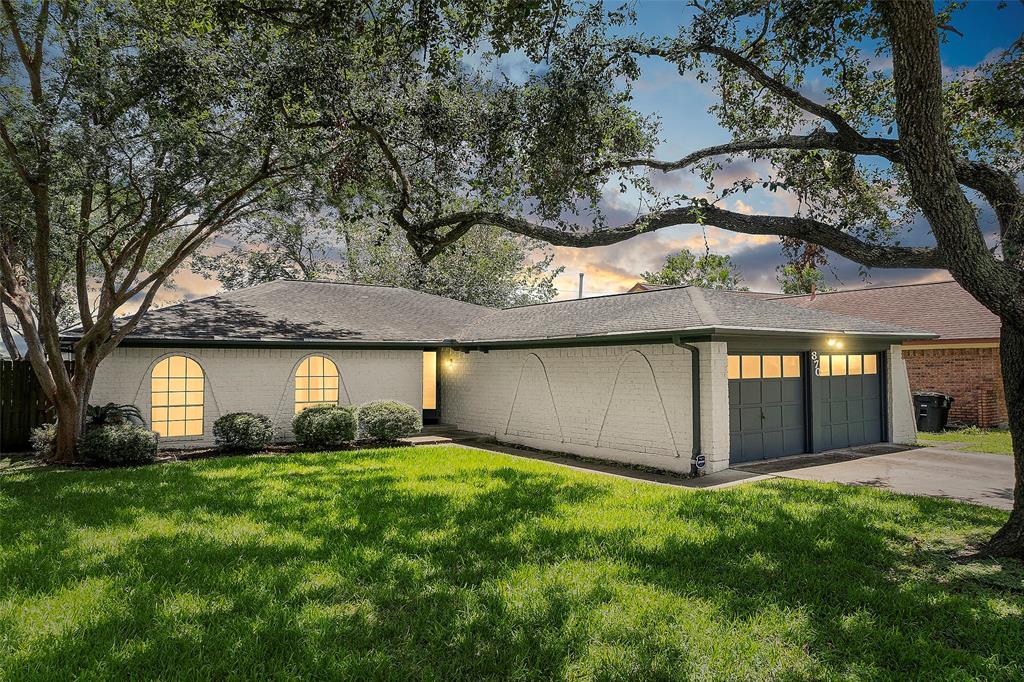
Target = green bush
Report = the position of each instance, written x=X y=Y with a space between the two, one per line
x=243 y=431
x=324 y=425
x=120 y=444
x=112 y=414
x=44 y=440
x=388 y=420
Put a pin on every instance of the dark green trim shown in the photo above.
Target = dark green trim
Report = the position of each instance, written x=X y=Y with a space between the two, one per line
x=575 y=341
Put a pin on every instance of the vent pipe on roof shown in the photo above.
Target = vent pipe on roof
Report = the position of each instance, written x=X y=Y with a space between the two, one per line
x=581 y=286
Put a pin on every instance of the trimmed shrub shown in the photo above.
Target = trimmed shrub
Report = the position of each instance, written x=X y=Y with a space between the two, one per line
x=44 y=440
x=388 y=420
x=120 y=444
x=324 y=425
x=243 y=431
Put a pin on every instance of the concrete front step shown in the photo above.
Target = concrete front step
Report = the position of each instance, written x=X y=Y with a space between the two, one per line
x=425 y=439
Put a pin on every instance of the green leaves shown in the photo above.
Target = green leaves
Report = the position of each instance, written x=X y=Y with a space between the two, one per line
x=709 y=270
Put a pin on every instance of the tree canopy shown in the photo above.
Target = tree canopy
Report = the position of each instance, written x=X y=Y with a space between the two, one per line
x=710 y=270
x=806 y=279
x=487 y=266
x=134 y=131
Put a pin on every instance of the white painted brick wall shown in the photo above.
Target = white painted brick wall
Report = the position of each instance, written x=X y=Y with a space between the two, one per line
x=260 y=380
x=625 y=403
x=902 y=418
x=714 y=409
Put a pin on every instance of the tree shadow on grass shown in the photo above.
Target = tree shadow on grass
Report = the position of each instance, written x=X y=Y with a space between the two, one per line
x=383 y=564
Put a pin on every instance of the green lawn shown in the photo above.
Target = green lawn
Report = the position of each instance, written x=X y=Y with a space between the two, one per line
x=446 y=563
x=980 y=440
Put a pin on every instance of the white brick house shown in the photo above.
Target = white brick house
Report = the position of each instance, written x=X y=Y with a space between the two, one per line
x=661 y=378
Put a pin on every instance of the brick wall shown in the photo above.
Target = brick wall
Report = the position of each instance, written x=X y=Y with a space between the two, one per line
x=970 y=375
x=624 y=403
x=260 y=380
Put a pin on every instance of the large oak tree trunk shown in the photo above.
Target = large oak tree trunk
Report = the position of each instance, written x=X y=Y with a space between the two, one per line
x=1009 y=541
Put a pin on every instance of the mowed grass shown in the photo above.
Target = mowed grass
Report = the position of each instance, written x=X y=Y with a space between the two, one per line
x=448 y=563
x=979 y=440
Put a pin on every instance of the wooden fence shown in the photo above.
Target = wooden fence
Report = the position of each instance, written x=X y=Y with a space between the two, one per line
x=22 y=405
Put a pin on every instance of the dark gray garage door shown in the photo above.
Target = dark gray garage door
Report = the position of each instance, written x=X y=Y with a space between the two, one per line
x=766 y=407
x=848 y=396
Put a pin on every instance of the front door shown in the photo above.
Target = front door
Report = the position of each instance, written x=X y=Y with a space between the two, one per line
x=766 y=407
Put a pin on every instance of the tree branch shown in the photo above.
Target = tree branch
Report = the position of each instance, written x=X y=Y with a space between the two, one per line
x=758 y=74
x=998 y=187
x=401 y=180
x=807 y=229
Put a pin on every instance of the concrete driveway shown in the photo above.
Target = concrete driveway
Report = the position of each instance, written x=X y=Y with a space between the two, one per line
x=975 y=477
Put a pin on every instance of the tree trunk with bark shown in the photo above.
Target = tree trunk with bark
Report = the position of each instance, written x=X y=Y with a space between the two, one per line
x=69 y=430
x=1009 y=541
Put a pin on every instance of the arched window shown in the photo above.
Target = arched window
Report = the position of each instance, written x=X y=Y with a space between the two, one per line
x=177 y=397
x=316 y=383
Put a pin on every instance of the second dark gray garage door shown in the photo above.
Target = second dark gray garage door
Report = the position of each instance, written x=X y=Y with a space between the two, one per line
x=848 y=396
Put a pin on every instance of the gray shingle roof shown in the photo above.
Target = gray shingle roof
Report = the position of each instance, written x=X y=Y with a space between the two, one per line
x=297 y=311
x=666 y=309
x=941 y=307
x=325 y=311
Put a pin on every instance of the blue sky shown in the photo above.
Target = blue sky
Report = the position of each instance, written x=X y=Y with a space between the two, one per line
x=681 y=105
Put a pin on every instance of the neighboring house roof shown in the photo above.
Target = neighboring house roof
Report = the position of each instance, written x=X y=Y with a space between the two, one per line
x=944 y=308
x=640 y=287
x=665 y=309
x=19 y=343
x=290 y=311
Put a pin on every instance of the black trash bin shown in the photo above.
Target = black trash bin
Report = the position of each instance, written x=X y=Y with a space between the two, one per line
x=932 y=410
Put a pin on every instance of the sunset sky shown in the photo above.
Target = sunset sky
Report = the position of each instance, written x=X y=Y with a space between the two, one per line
x=681 y=104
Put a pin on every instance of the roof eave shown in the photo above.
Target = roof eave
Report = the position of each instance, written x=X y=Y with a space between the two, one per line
x=696 y=332
x=613 y=337
x=191 y=342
